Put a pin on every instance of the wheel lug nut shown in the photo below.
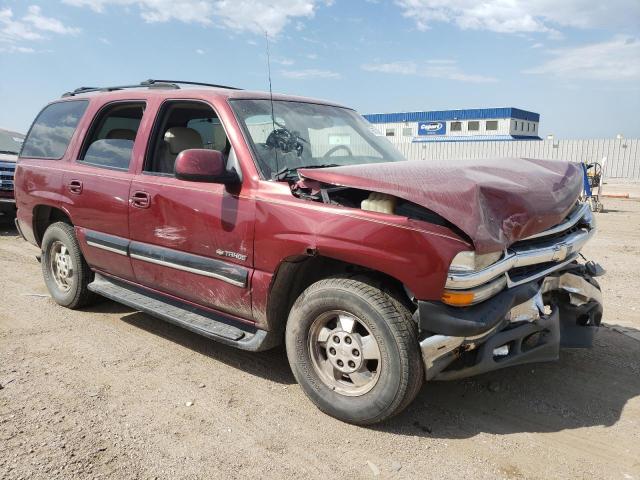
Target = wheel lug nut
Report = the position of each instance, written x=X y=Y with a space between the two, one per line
x=355 y=352
x=348 y=340
x=336 y=339
x=332 y=351
x=352 y=364
x=340 y=363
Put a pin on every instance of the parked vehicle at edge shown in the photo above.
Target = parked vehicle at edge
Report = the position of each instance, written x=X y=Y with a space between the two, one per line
x=10 y=144
x=256 y=221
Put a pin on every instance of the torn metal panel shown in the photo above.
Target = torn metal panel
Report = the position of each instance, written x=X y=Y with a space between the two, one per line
x=579 y=289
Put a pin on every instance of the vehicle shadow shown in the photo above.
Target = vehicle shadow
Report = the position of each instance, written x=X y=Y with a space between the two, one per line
x=585 y=388
x=271 y=365
x=7 y=227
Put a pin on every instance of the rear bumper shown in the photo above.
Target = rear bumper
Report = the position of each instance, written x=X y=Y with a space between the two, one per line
x=524 y=324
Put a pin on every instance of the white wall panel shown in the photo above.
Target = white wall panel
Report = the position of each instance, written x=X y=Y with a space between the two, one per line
x=623 y=156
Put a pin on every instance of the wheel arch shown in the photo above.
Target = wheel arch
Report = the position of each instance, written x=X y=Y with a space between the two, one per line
x=45 y=215
x=295 y=274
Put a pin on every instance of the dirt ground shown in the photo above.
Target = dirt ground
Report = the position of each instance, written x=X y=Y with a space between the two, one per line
x=108 y=392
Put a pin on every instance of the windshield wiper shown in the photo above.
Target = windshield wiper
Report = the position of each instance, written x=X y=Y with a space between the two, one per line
x=292 y=172
x=8 y=152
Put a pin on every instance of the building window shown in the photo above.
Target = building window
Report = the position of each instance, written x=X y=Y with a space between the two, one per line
x=456 y=126
x=407 y=131
x=534 y=126
x=473 y=126
x=391 y=132
x=491 y=125
x=515 y=128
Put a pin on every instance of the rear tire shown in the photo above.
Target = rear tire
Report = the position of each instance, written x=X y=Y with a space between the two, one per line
x=64 y=269
x=373 y=335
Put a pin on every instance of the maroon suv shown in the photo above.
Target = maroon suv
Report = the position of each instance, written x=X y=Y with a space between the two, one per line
x=256 y=221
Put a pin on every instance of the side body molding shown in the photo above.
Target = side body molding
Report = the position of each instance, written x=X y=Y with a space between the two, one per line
x=208 y=267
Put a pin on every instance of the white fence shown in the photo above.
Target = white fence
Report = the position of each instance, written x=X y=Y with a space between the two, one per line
x=623 y=156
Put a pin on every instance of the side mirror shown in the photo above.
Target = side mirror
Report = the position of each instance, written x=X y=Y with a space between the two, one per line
x=202 y=165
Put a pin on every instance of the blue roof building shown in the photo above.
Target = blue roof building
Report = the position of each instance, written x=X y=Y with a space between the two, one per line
x=477 y=124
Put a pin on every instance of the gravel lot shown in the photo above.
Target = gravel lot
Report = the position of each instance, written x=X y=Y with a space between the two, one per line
x=109 y=392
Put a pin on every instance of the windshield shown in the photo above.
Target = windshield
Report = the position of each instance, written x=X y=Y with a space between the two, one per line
x=9 y=144
x=309 y=135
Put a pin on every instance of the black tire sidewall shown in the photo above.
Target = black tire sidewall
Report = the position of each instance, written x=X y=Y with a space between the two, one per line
x=62 y=233
x=355 y=409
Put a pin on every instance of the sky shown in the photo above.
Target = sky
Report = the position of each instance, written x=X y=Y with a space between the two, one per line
x=576 y=62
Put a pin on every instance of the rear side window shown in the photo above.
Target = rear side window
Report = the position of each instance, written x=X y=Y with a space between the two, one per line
x=51 y=133
x=113 y=133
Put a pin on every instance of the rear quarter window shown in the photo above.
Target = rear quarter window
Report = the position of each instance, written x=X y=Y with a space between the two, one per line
x=52 y=130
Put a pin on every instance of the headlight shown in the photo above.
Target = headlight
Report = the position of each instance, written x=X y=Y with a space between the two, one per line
x=470 y=262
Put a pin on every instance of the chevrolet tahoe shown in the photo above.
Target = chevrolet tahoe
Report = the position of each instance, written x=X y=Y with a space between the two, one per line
x=258 y=220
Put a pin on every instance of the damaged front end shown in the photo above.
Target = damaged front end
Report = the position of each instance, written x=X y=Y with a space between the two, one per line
x=521 y=292
x=548 y=300
x=534 y=321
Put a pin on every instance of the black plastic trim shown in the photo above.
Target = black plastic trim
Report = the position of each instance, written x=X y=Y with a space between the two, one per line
x=111 y=242
x=436 y=317
x=547 y=349
x=228 y=272
x=210 y=267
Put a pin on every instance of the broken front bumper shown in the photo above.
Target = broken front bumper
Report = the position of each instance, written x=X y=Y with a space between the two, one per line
x=524 y=324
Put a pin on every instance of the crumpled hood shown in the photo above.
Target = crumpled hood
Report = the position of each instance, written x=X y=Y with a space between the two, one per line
x=496 y=202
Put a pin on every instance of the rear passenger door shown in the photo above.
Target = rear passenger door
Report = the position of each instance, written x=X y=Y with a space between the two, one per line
x=98 y=184
x=191 y=240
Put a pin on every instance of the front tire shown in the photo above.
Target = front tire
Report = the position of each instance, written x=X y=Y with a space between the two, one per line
x=64 y=269
x=354 y=350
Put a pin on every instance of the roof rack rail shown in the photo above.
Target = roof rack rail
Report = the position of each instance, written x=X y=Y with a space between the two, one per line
x=184 y=82
x=81 y=90
x=151 y=83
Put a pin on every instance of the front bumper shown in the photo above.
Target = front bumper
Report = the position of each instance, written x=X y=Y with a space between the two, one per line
x=524 y=324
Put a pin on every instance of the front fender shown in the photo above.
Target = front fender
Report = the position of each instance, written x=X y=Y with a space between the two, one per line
x=415 y=253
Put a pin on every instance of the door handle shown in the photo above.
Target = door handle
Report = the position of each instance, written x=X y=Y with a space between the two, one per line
x=75 y=187
x=141 y=199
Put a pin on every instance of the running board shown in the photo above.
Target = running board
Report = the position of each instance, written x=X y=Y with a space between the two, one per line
x=211 y=325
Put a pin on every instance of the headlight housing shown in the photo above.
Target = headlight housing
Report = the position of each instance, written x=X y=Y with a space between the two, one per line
x=469 y=261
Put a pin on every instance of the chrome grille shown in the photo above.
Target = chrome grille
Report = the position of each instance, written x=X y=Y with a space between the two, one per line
x=536 y=256
x=7 y=171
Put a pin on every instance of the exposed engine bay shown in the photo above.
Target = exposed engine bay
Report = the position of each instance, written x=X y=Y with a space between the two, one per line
x=366 y=200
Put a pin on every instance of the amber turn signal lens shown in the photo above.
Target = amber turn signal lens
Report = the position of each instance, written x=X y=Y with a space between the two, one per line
x=457 y=299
